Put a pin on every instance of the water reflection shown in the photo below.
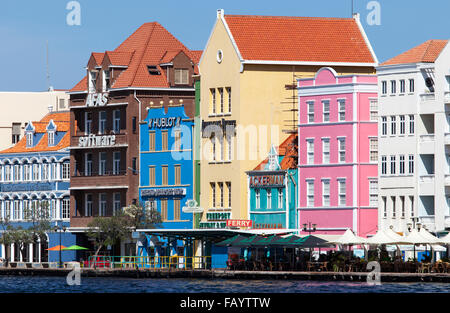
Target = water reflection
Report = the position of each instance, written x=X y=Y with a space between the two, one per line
x=128 y=285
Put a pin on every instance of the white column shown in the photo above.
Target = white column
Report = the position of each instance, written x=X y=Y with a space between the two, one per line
x=58 y=209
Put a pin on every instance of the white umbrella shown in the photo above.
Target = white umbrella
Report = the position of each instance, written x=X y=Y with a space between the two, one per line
x=426 y=234
x=382 y=238
x=445 y=239
x=349 y=238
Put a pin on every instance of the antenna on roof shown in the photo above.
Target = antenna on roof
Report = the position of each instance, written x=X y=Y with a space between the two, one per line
x=49 y=88
x=352 y=8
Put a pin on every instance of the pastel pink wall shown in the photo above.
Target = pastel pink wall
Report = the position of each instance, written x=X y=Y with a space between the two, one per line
x=335 y=216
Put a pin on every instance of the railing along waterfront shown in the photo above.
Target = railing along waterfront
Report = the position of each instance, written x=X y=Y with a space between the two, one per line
x=151 y=262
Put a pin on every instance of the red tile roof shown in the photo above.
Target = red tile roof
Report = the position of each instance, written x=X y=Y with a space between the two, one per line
x=288 y=149
x=302 y=39
x=426 y=52
x=62 y=121
x=146 y=46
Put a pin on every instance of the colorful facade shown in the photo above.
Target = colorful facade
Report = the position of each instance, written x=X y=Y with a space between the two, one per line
x=272 y=188
x=338 y=152
x=151 y=68
x=34 y=175
x=244 y=69
x=166 y=176
x=414 y=134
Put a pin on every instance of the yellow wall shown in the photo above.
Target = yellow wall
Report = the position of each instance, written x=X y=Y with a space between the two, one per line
x=258 y=93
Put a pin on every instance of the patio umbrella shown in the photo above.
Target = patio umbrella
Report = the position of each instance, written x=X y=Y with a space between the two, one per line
x=289 y=241
x=265 y=241
x=230 y=241
x=349 y=238
x=74 y=247
x=312 y=241
x=56 y=248
x=246 y=242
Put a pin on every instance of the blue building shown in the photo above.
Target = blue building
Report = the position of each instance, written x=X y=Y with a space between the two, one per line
x=35 y=177
x=272 y=188
x=166 y=177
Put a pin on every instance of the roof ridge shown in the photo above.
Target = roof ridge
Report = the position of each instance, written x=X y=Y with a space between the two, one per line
x=293 y=17
x=142 y=55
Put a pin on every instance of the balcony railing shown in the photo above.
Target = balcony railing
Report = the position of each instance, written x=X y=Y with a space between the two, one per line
x=427 y=96
x=427 y=138
x=447 y=97
x=104 y=173
x=428 y=178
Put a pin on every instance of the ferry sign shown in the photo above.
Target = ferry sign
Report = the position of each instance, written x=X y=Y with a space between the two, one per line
x=239 y=223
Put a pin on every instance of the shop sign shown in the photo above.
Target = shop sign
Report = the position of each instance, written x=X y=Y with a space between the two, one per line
x=267 y=180
x=97 y=141
x=164 y=122
x=268 y=226
x=191 y=206
x=213 y=225
x=218 y=216
x=96 y=99
x=239 y=223
x=163 y=192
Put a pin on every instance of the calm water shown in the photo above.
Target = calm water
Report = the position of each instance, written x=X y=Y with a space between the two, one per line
x=173 y=285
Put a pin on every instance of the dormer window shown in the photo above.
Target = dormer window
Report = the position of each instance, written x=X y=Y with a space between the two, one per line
x=181 y=76
x=153 y=70
x=92 y=81
x=29 y=132
x=29 y=139
x=106 y=80
x=51 y=129
x=51 y=138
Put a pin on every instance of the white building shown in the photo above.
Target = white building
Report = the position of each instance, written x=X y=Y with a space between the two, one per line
x=18 y=108
x=414 y=138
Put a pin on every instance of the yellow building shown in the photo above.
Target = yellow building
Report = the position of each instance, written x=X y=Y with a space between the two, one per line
x=244 y=70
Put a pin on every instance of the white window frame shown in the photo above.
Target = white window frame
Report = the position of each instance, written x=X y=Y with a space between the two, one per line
x=393 y=164
x=373 y=192
x=269 y=198
x=65 y=208
x=326 y=150
x=310 y=151
x=88 y=122
x=116 y=162
x=402 y=164
x=341 y=150
x=384 y=87
x=373 y=149
x=310 y=108
x=116 y=121
x=102 y=204
x=373 y=107
x=102 y=163
x=102 y=122
x=342 y=193
x=411 y=124
x=88 y=204
x=393 y=125
x=341 y=107
x=383 y=165
x=280 y=198
x=326 y=111
x=258 y=198
x=384 y=126
x=325 y=192
x=411 y=164
x=309 y=193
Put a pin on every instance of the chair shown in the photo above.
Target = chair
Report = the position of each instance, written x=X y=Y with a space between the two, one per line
x=323 y=267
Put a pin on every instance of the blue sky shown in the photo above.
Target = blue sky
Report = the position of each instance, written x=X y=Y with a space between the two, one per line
x=25 y=26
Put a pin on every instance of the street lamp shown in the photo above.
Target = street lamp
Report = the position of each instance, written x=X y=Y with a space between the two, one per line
x=60 y=230
x=308 y=227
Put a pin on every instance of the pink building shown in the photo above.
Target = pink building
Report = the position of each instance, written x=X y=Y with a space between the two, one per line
x=338 y=153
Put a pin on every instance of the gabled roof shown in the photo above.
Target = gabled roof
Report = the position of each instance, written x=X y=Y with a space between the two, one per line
x=62 y=122
x=426 y=52
x=146 y=46
x=300 y=39
x=288 y=150
x=122 y=58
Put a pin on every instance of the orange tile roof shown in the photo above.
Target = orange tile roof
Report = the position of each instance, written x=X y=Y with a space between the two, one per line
x=426 y=52
x=120 y=58
x=289 y=149
x=301 y=39
x=62 y=121
x=98 y=56
x=148 y=44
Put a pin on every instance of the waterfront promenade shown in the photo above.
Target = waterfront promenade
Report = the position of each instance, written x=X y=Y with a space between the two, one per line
x=229 y=274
